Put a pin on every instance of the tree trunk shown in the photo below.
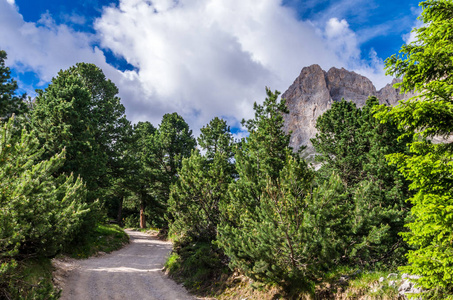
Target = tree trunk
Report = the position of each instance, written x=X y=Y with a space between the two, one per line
x=142 y=213
x=119 y=216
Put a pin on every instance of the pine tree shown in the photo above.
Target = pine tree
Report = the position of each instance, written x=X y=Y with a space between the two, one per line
x=352 y=143
x=339 y=146
x=172 y=142
x=202 y=184
x=39 y=213
x=10 y=103
x=143 y=173
x=275 y=227
x=80 y=111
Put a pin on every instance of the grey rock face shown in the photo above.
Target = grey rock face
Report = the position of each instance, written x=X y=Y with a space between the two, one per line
x=408 y=287
x=314 y=91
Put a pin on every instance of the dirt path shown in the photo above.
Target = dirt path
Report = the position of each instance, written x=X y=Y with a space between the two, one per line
x=134 y=272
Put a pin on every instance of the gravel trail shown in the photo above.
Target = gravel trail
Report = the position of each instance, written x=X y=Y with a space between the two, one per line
x=134 y=272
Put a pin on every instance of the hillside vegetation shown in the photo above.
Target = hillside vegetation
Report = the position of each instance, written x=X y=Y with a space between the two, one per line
x=246 y=215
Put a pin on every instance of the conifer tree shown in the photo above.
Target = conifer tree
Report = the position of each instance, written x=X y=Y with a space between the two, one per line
x=274 y=227
x=143 y=175
x=172 y=142
x=425 y=66
x=10 y=103
x=80 y=111
x=339 y=146
x=39 y=213
x=352 y=143
x=202 y=184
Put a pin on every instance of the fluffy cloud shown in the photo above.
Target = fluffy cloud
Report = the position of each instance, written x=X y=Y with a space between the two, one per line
x=214 y=57
x=342 y=40
x=43 y=47
x=200 y=58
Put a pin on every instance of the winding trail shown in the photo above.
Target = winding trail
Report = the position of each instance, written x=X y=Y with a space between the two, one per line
x=134 y=272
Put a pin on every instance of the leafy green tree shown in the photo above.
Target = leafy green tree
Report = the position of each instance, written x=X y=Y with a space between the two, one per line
x=216 y=138
x=10 y=103
x=339 y=146
x=142 y=172
x=352 y=143
x=426 y=66
x=172 y=142
x=202 y=184
x=80 y=111
x=39 y=213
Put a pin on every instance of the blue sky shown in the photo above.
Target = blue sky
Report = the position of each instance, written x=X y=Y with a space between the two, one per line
x=200 y=58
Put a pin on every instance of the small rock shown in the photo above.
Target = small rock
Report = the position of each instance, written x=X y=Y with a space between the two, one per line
x=381 y=279
x=405 y=286
x=392 y=275
x=343 y=279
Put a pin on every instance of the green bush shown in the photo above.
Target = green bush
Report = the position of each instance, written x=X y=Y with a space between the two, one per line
x=38 y=212
x=196 y=264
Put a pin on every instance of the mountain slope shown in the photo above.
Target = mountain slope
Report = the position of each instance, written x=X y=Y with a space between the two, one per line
x=313 y=92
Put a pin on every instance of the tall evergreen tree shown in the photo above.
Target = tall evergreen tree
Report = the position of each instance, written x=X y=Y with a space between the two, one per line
x=202 y=184
x=426 y=67
x=10 y=103
x=80 y=111
x=172 y=142
x=143 y=173
x=262 y=155
x=268 y=222
x=339 y=146
x=352 y=143
x=121 y=173
x=216 y=138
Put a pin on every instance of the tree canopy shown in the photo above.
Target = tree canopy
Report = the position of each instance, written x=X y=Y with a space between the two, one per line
x=10 y=103
x=39 y=213
x=202 y=184
x=80 y=111
x=352 y=143
x=426 y=66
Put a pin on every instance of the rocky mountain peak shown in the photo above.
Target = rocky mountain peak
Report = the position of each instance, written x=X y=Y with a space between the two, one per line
x=314 y=91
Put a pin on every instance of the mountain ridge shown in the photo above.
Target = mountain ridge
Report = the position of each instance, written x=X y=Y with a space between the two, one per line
x=314 y=90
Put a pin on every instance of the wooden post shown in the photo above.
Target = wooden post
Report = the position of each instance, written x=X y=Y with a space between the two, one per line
x=142 y=212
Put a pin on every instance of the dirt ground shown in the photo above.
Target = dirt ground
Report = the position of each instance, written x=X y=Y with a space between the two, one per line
x=134 y=272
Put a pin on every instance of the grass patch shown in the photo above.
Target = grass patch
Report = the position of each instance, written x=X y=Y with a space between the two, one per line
x=198 y=266
x=104 y=238
x=30 y=279
x=35 y=270
x=349 y=283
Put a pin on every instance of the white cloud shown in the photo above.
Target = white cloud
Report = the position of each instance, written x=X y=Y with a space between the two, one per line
x=200 y=58
x=410 y=37
x=342 y=40
x=43 y=47
x=209 y=58
x=46 y=48
x=373 y=69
